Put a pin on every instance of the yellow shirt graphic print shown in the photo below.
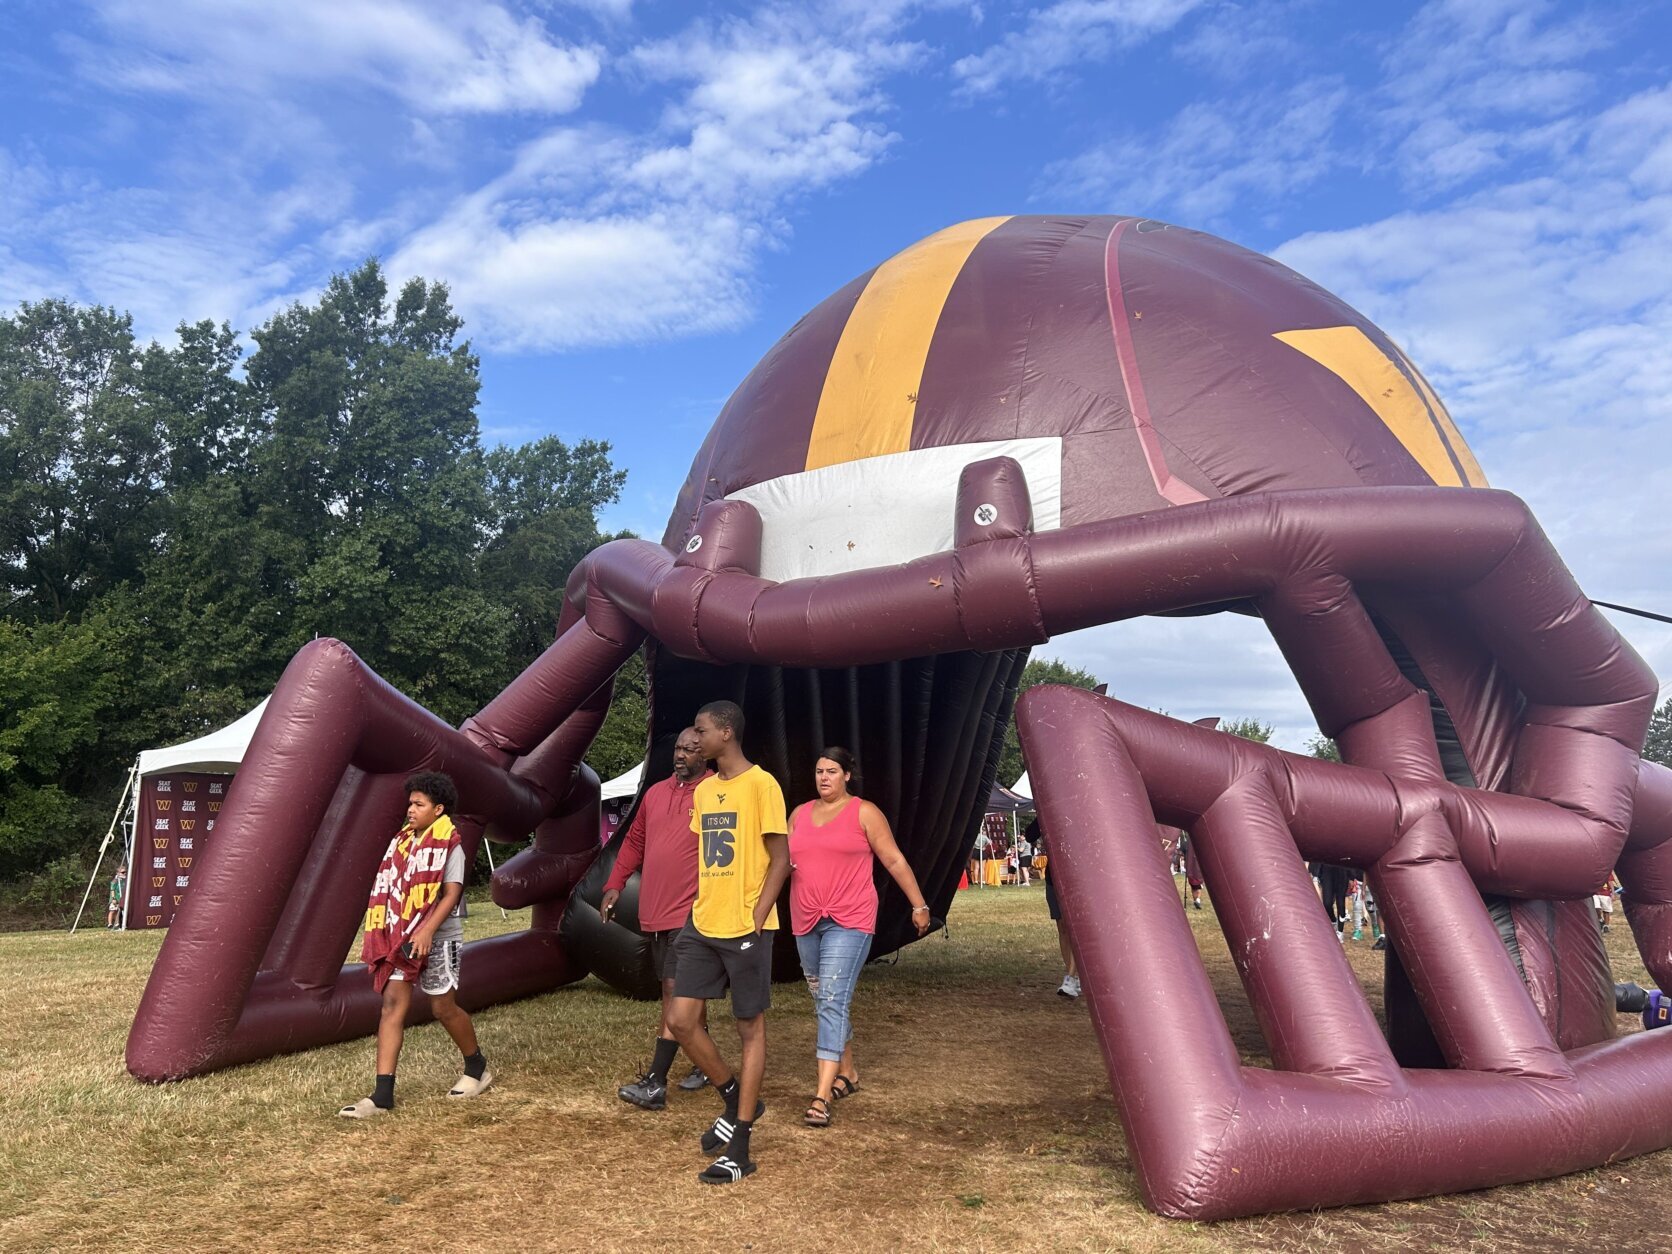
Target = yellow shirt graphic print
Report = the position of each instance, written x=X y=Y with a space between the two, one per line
x=731 y=819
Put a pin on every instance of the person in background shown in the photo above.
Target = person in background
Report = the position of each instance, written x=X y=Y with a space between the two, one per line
x=659 y=839
x=118 y=893
x=1070 y=986
x=1603 y=902
x=833 y=910
x=1332 y=888
x=1024 y=860
x=1192 y=870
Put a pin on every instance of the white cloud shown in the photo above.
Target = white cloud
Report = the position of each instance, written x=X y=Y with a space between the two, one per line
x=1067 y=33
x=1472 y=85
x=600 y=235
x=436 y=58
x=1204 y=162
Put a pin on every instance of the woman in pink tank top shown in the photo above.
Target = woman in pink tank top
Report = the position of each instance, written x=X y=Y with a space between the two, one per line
x=833 y=911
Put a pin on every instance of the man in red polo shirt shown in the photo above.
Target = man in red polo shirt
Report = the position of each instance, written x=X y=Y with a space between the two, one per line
x=660 y=841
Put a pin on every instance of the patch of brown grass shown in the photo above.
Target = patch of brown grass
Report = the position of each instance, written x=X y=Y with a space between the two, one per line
x=984 y=1123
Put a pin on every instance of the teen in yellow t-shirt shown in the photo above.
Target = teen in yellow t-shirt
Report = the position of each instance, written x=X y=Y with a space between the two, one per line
x=743 y=859
x=731 y=818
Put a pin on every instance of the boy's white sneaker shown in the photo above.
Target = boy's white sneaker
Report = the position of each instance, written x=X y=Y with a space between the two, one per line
x=365 y=1108
x=1070 y=986
x=468 y=1087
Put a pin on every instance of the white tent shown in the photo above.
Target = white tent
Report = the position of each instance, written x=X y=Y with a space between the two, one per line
x=1022 y=788
x=219 y=752
x=622 y=785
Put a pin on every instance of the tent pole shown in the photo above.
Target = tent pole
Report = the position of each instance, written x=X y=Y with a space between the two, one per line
x=487 y=848
x=104 y=845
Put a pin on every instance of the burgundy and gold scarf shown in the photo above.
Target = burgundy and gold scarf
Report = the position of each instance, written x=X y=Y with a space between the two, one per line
x=405 y=891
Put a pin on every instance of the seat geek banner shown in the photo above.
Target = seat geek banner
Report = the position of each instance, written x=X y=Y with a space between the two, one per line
x=176 y=818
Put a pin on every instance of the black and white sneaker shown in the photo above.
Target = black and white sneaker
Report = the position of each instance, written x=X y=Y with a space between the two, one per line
x=724 y=1170
x=647 y=1093
x=719 y=1135
x=696 y=1080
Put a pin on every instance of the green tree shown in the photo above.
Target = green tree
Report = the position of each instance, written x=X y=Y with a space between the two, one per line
x=369 y=480
x=56 y=681
x=544 y=499
x=1248 y=729
x=79 y=457
x=1039 y=670
x=1657 y=745
x=175 y=523
x=1321 y=746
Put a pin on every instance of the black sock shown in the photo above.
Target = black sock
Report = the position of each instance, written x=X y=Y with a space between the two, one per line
x=728 y=1093
x=384 y=1094
x=663 y=1059
x=738 y=1149
x=475 y=1066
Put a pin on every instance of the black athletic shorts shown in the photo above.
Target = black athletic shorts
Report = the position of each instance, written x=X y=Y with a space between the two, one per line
x=709 y=965
x=1051 y=902
x=662 y=954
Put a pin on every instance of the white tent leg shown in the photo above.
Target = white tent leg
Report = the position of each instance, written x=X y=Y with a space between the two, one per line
x=104 y=845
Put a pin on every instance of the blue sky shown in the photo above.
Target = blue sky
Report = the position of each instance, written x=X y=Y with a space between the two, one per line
x=632 y=200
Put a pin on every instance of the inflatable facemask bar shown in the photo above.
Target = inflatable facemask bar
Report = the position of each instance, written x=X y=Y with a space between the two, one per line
x=1016 y=428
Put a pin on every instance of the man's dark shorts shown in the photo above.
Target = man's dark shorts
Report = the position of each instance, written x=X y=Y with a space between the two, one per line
x=708 y=966
x=1051 y=902
x=662 y=953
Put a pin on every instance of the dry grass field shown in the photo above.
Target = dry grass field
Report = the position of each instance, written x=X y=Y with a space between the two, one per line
x=984 y=1123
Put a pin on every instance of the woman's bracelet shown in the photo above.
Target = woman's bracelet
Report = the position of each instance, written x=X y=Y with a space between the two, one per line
x=924 y=906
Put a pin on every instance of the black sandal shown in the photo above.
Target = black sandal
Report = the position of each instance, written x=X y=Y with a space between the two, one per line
x=818 y=1113
x=844 y=1086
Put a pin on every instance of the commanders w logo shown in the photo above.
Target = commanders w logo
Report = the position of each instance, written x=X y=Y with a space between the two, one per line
x=159 y=842
x=163 y=805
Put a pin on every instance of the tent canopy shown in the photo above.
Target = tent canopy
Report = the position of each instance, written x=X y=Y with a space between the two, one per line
x=1022 y=788
x=1003 y=801
x=219 y=752
x=624 y=785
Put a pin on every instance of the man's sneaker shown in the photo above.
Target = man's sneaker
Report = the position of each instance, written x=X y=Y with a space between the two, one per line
x=365 y=1108
x=1070 y=986
x=719 y=1135
x=723 y=1170
x=696 y=1080
x=646 y=1092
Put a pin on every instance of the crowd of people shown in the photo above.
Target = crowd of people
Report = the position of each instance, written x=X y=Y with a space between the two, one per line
x=713 y=849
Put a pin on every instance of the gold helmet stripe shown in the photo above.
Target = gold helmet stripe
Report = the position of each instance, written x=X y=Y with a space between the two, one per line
x=870 y=391
x=1350 y=355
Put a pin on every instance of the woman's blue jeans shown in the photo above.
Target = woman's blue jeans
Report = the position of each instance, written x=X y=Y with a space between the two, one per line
x=831 y=956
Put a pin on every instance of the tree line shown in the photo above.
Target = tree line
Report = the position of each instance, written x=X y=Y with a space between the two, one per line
x=177 y=520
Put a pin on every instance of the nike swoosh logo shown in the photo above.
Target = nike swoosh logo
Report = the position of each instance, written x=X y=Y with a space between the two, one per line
x=746 y=944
